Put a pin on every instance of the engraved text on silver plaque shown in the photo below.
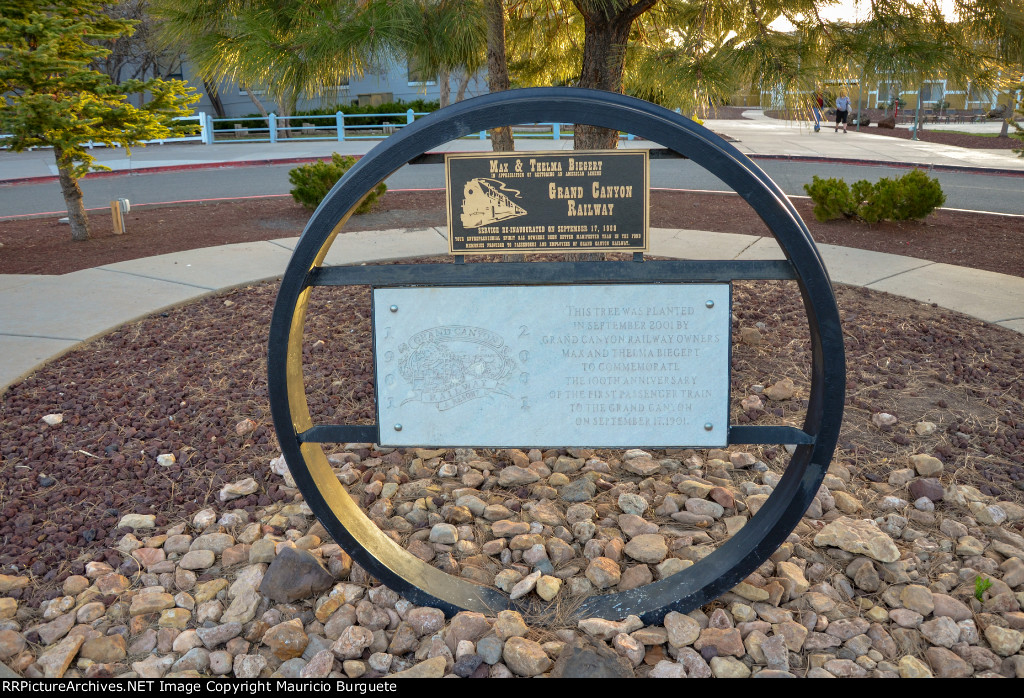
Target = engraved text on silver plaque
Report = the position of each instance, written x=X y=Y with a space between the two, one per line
x=509 y=366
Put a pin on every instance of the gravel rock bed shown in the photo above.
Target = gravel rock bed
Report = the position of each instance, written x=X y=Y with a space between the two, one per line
x=151 y=529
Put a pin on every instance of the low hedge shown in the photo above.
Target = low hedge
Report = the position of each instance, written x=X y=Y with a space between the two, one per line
x=312 y=182
x=913 y=196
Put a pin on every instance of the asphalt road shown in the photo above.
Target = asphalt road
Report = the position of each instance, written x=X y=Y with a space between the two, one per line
x=1003 y=194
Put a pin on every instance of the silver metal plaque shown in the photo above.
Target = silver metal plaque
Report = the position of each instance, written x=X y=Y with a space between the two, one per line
x=508 y=366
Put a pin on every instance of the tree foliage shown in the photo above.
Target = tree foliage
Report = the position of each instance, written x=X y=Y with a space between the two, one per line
x=693 y=54
x=311 y=47
x=451 y=38
x=281 y=47
x=686 y=54
x=55 y=98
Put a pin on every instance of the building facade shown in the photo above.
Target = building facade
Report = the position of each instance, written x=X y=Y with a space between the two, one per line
x=392 y=83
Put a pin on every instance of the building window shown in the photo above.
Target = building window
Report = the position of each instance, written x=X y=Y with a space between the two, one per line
x=933 y=93
x=886 y=93
x=418 y=76
x=979 y=97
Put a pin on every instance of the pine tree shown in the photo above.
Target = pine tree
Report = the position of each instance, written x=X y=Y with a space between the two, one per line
x=999 y=24
x=54 y=98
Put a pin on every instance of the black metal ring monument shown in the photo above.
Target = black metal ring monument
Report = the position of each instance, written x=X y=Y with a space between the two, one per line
x=300 y=439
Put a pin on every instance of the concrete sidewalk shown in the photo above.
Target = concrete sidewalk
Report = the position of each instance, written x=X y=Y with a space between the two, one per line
x=757 y=136
x=45 y=316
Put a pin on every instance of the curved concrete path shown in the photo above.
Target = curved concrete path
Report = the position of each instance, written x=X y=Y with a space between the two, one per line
x=45 y=316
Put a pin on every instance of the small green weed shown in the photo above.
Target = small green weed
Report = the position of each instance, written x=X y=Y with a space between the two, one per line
x=981 y=585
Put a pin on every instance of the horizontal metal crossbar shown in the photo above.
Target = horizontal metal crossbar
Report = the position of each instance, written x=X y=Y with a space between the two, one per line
x=652 y=154
x=370 y=433
x=530 y=273
x=341 y=434
x=768 y=435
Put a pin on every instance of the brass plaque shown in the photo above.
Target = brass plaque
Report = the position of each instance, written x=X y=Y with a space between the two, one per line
x=571 y=201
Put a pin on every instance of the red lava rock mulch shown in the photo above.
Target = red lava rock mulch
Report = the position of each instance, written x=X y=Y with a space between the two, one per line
x=44 y=246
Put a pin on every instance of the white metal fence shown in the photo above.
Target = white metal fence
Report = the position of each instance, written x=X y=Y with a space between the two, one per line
x=277 y=129
x=327 y=127
x=200 y=118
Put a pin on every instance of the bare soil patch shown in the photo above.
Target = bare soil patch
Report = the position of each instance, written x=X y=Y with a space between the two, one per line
x=961 y=140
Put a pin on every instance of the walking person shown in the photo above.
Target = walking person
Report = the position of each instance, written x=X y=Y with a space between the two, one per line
x=842 y=110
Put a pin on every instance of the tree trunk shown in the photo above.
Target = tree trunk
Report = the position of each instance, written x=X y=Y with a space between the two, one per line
x=77 y=217
x=606 y=33
x=444 y=85
x=286 y=108
x=215 y=101
x=918 y=124
x=256 y=100
x=1011 y=109
x=497 y=69
x=463 y=84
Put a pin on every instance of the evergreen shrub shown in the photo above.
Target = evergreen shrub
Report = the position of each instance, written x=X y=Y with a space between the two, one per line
x=313 y=181
x=911 y=197
x=831 y=198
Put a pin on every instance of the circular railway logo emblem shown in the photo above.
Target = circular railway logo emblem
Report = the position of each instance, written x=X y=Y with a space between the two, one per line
x=447 y=366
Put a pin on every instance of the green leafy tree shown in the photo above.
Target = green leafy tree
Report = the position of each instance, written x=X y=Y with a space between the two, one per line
x=288 y=48
x=999 y=24
x=54 y=98
x=693 y=54
x=294 y=48
x=451 y=39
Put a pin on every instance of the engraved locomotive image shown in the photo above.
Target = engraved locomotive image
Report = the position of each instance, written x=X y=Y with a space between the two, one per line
x=451 y=365
x=485 y=203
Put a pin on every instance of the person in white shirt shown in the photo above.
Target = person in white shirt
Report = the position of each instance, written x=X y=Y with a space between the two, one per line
x=842 y=110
